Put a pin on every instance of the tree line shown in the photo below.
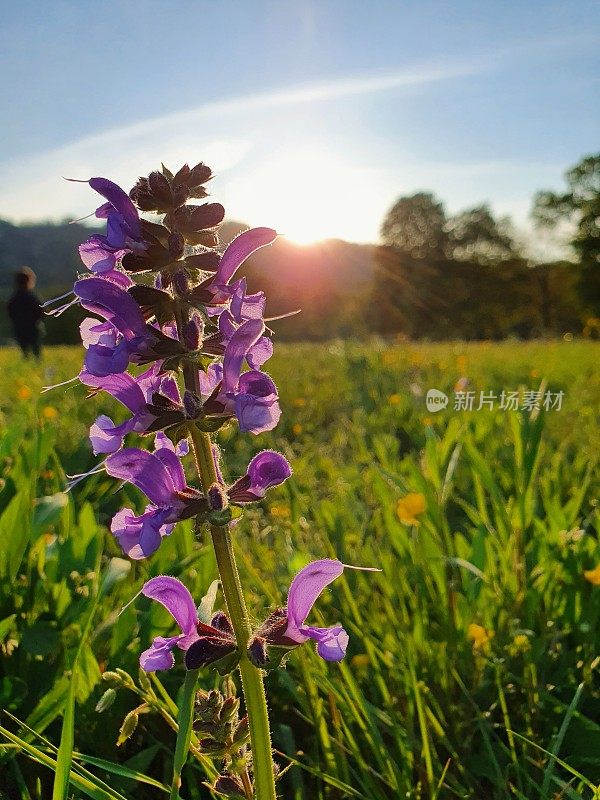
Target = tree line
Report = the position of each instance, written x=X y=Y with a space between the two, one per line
x=466 y=276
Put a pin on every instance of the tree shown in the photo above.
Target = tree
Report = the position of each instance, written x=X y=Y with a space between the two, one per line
x=475 y=235
x=579 y=206
x=415 y=227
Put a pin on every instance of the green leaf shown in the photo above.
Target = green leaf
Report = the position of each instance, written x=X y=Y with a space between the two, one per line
x=205 y=609
x=14 y=535
x=6 y=626
x=47 y=511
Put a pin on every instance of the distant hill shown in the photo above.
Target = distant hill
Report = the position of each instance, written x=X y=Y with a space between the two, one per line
x=326 y=280
x=50 y=249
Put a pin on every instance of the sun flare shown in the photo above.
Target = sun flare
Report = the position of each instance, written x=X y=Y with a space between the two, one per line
x=307 y=195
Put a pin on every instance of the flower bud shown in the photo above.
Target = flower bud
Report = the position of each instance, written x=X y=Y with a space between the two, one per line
x=128 y=727
x=192 y=333
x=217 y=498
x=213 y=748
x=181 y=283
x=126 y=678
x=113 y=679
x=176 y=245
x=257 y=651
x=229 y=786
x=229 y=709
x=106 y=701
x=161 y=191
x=192 y=404
x=144 y=680
x=241 y=735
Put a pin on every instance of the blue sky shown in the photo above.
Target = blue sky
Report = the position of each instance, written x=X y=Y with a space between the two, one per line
x=315 y=115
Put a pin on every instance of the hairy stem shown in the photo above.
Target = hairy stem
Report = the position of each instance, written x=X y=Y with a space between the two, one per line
x=252 y=682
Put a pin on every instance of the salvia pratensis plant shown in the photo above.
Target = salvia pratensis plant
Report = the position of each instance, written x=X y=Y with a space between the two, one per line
x=165 y=302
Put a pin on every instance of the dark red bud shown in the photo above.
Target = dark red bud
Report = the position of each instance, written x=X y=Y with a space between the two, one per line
x=217 y=499
x=230 y=786
x=176 y=245
x=192 y=333
x=257 y=651
x=182 y=285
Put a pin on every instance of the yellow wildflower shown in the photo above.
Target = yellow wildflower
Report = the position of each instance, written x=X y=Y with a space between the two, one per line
x=24 y=393
x=280 y=511
x=461 y=363
x=299 y=402
x=49 y=412
x=520 y=644
x=593 y=575
x=409 y=507
x=297 y=429
x=394 y=399
x=479 y=636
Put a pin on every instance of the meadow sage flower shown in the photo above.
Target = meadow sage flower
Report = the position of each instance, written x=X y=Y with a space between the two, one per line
x=286 y=627
x=203 y=644
x=100 y=253
x=161 y=478
x=140 y=395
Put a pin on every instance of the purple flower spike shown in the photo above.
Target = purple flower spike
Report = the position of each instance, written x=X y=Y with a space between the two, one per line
x=304 y=590
x=267 y=469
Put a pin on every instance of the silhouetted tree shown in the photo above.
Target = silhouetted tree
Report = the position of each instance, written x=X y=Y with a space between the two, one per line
x=579 y=205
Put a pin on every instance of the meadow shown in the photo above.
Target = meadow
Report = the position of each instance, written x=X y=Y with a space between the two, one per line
x=473 y=669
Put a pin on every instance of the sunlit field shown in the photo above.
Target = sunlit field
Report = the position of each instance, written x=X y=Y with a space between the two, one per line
x=473 y=668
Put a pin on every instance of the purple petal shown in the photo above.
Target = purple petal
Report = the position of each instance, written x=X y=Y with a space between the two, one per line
x=106 y=437
x=97 y=255
x=145 y=471
x=304 y=590
x=139 y=537
x=159 y=656
x=113 y=303
x=210 y=379
x=102 y=361
x=331 y=642
x=266 y=469
x=175 y=597
x=242 y=340
x=120 y=201
x=260 y=353
x=171 y=461
x=256 y=414
x=93 y=331
x=123 y=387
x=240 y=249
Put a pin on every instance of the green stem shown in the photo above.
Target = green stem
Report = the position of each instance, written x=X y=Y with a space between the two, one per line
x=252 y=682
x=184 y=734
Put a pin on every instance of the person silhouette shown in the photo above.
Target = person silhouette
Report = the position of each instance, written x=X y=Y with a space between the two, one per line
x=25 y=312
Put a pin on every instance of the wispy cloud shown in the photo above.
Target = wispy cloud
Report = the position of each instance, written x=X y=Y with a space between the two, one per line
x=222 y=131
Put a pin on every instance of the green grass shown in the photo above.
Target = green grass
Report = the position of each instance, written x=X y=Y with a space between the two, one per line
x=425 y=705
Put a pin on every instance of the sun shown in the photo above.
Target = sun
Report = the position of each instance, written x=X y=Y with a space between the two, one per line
x=307 y=195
